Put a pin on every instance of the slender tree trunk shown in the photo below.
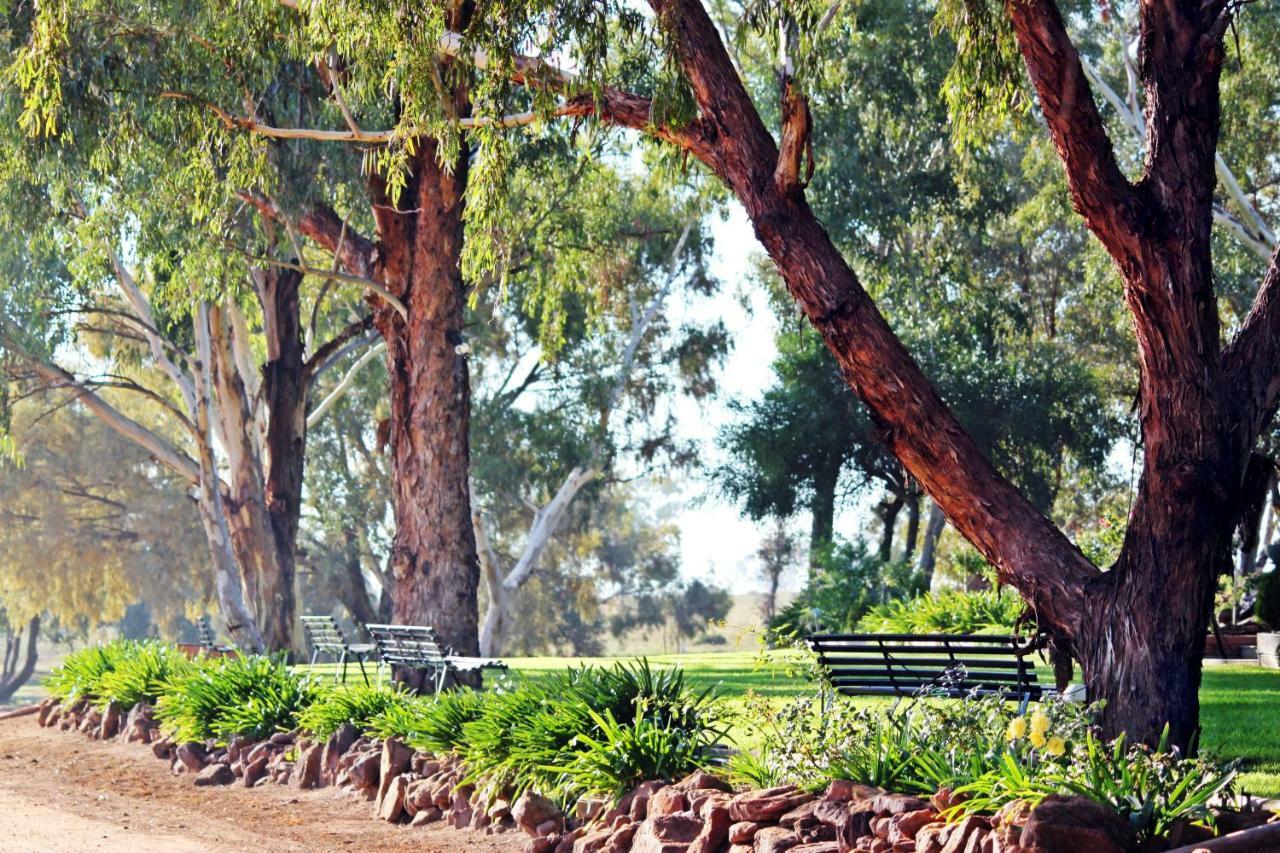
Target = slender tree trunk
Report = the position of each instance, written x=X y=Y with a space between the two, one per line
x=913 y=523
x=888 y=511
x=823 y=509
x=929 y=548
x=15 y=676
x=353 y=591
x=433 y=559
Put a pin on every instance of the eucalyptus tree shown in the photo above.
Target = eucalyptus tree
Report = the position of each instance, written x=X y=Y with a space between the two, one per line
x=90 y=525
x=1137 y=629
x=195 y=313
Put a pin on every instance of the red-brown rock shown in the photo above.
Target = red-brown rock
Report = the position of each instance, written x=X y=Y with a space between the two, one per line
x=306 y=771
x=765 y=805
x=743 y=832
x=964 y=836
x=215 y=774
x=715 y=831
x=892 y=804
x=1067 y=823
x=775 y=839
x=532 y=813
x=842 y=790
x=622 y=839
x=391 y=805
x=700 y=780
x=667 y=801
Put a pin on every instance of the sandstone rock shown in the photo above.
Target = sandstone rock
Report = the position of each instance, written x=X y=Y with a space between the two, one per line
x=715 y=831
x=814 y=832
x=499 y=810
x=283 y=738
x=364 y=773
x=743 y=832
x=394 y=761
x=254 y=771
x=623 y=838
x=907 y=824
x=334 y=748
x=854 y=825
x=306 y=771
x=592 y=842
x=702 y=802
x=548 y=828
x=215 y=774
x=111 y=718
x=931 y=837
x=1067 y=823
x=897 y=804
x=830 y=812
x=543 y=844
x=587 y=809
x=430 y=814
x=532 y=812
x=775 y=839
x=702 y=780
x=801 y=813
x=418 y=795
x=666 y=833
x=961 y=836
x=765 y=805
x=391 y=804
x=842 y=790
x=162 y=749
x=192 y=756
x=139 y=724
x=46 y=707
x=667 y=801
x=817 y=847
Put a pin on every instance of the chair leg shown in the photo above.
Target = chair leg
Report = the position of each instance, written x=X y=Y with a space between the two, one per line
x=344 y=667
x=315 y=653
x=363 y=674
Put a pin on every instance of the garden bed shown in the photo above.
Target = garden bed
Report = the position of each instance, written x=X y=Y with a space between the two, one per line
x=609 y=760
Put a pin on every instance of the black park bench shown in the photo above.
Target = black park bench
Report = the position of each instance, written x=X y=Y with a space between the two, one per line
x=416 y=647
x=942 y=665
x=327 y=639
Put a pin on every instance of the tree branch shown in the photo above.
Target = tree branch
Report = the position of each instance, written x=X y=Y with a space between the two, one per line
x=1252 y=360
x=344 y=385
x=336 y=347
x=1099 y=189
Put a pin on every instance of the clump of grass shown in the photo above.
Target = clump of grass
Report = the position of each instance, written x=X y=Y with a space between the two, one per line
x=240 y=695
x=357 y=704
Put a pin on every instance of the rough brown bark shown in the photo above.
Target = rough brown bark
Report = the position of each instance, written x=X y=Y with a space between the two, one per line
x=433 y=557
x=1138 y=629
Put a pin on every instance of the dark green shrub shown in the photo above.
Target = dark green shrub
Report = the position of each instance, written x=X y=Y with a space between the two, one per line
x=1268 y=607
x=82 y=671
x=844 y=582
x=357 y=704
x=241 y=695
x=954 y=612
x=433 y=724
x=142 y=674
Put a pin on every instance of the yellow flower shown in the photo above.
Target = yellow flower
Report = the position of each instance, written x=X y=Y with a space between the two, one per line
x=1039 y=722
x=1056 y=746
x=1017 y=728
x=1037 y=738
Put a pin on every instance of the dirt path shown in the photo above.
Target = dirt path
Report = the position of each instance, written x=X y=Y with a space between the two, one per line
x=62 y=792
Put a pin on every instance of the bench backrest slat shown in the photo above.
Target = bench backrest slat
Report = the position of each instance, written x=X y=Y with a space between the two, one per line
x=933 y=664
x=408 y=645
x=324 y=632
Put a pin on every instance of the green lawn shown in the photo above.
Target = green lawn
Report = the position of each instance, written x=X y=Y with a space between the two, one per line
x=1240 y=705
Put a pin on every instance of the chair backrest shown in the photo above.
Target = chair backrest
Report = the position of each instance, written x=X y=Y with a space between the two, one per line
x=414 y=646
x=324 y=633
x=953 y=665
x=205 y=633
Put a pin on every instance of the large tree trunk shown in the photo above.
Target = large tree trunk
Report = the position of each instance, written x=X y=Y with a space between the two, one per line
x=433 y=556
x=285 y=383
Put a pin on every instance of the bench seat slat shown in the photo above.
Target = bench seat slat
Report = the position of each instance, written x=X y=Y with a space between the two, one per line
x=958 y=648
x=926 y=674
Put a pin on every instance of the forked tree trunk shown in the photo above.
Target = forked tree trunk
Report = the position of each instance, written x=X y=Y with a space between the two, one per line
x=16 y=674
x=1138 y=630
